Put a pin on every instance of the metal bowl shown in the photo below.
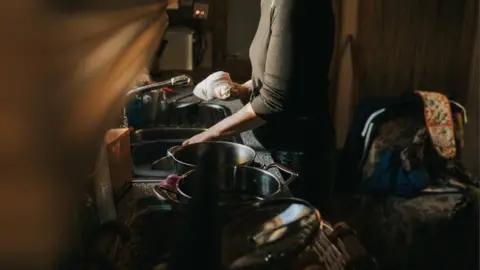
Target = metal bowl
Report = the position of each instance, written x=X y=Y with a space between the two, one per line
x=186 y=158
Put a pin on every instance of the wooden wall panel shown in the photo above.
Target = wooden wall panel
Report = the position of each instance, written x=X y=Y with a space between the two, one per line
x=472 y=129
x=423 y=44
x=346 y=17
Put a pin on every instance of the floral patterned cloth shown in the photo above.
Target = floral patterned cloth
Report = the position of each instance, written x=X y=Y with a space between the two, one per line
x=439 y=122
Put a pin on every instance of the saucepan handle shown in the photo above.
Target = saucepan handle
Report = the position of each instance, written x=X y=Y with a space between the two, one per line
x=293 y=175
x=171 y=150
x=165 y=193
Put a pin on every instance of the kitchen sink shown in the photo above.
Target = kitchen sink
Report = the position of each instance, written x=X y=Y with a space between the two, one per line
x=150 y=145
x=160 y=124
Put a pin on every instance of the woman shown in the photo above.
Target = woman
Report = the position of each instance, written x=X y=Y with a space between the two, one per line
x=288 y=108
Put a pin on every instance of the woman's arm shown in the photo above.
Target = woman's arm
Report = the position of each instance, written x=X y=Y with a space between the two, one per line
x=243 y=120
x=294 y=61
x=279 y=62
x=289 y=51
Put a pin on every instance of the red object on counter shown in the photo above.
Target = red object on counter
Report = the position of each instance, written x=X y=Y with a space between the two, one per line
x=171 y=181
x=166 y=89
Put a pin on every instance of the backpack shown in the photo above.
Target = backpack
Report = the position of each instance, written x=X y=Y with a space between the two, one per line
x=405 y=146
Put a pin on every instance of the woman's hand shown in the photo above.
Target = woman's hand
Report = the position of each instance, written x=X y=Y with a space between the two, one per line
x=241 y=91
x=207 y=135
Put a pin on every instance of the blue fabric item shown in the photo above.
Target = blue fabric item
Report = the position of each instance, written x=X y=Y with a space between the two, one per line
x=389 y=177
x=348 y=176
x=379 y=181
x=349 y=172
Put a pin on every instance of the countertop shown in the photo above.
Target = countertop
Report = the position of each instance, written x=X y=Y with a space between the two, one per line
x=127 y=205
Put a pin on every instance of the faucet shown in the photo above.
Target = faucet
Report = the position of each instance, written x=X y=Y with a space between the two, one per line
x=178 y=81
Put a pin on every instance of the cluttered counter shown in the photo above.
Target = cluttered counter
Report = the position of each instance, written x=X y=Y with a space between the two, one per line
x=127 y=204
x=255 y=213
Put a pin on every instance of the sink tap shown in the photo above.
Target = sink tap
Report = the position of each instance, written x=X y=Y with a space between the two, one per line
x=178 y=81
x=175 y=82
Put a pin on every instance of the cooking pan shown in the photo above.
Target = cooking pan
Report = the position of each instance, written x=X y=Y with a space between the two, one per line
x=186 y=158
x=237 y=185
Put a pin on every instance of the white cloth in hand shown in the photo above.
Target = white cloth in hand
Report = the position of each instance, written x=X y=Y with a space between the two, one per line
x=216 y=85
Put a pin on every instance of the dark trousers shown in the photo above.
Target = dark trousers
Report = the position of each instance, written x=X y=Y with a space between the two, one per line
x=306 y=146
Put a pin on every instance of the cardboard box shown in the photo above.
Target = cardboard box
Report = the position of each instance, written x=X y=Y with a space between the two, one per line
x=119 y=160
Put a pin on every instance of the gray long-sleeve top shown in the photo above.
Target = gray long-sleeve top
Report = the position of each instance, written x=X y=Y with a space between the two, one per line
x=290 y=56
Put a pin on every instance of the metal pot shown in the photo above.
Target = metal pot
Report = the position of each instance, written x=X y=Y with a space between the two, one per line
x=186 y=158
x=237 y=185
x=270 y=234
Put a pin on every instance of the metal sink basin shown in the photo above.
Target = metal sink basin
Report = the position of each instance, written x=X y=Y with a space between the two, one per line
x=151 y=144
x=202 y=115
x=171 y=128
